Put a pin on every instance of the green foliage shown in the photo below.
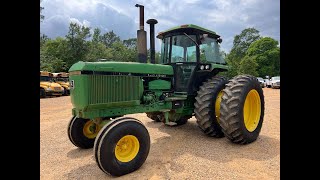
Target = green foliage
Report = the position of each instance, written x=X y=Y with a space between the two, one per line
x=252 y=54
x=267 y=54
x=60 y=54
x=248 y=65
x=241 y=44
x=130 y=43
x=109 y=38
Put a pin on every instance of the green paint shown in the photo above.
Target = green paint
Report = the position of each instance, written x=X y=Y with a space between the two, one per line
x=220 y=66
x=201 y=29
x=159 y=84
x=130 y=67
x=100 y=91
x=111 y=111
x=111 y=94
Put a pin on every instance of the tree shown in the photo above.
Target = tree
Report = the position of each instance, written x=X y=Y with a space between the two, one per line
x=54 y=53
x=130 y=43
x=109 y=38
x=248 y=65
x=266 y=53
x=121 y=53
x=43 y=39
x=96 y=35
x=41 y=16
x=98 y=51
x=78 y=46
x=241 y=44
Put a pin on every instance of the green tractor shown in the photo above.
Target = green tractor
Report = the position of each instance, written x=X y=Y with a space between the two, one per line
x=184 y=84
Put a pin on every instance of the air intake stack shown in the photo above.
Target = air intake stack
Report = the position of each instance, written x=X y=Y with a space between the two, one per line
x=152 y=22
x=142 y=37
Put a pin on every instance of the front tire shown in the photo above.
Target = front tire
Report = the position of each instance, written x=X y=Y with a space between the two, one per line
x=242 y=109
x=82 y=132
x=122 y=146
x=207 y=106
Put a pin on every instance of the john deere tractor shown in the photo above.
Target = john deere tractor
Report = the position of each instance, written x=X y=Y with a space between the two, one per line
x=184 y=84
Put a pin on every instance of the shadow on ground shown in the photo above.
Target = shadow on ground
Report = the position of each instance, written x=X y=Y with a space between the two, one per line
x=181 y=140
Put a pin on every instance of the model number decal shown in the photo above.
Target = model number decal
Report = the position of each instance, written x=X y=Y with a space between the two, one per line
x=72 y=84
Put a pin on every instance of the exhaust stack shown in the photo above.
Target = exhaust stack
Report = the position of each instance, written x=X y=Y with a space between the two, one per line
x=152 y=22
x=141 y=37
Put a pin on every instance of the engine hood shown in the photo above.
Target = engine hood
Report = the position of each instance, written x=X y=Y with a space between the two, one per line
x=121 y=67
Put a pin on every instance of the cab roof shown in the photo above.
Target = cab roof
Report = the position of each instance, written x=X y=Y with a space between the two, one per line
x=188 y=28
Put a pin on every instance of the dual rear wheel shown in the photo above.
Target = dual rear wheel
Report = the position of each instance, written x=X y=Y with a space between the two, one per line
x=233 y=108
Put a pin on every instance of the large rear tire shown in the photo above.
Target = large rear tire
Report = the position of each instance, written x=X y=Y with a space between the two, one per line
x=242 y=109
x=82 y=132
x=122 y=146
x=207 y=106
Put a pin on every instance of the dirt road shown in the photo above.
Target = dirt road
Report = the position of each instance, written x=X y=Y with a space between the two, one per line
x=182 y=152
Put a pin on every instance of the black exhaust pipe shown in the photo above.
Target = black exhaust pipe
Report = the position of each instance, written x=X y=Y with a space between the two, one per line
x=141 y=37
x=152 y=22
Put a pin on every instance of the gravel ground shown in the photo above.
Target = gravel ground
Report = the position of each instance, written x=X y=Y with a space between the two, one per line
x=182 y=152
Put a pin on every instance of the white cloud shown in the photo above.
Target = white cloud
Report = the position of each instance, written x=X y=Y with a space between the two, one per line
x=226 y=17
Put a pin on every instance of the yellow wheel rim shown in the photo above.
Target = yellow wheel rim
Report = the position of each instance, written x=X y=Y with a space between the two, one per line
x=252 y=110
x=127 y=148
x=217 y=105
x=91 y=129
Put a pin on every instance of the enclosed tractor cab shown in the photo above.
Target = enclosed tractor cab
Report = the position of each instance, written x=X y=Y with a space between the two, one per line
x=48 y=87
x=185 y=84
x=62 y=78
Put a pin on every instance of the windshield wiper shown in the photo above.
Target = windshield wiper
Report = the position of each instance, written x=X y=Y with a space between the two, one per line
x=191 y=39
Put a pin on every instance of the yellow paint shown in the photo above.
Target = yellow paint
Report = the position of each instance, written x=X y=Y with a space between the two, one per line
x=55 y=87
x=252 y=110
x=217 y=105
x=127 y=148
x=91 y=129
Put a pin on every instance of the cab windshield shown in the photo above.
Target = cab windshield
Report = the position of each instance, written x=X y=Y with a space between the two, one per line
x=184 y=49
x=210 y=51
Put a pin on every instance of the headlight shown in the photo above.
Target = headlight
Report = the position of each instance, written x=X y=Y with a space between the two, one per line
x=49 y=89
x=202 y=67
x=207 y=67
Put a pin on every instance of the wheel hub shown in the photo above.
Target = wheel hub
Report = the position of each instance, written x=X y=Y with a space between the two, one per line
x=127 y=148
x=91 y=129
x=252 y=110
x=217 y=105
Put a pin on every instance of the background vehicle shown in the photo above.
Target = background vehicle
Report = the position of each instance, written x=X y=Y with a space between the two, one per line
x=275 y=82
x=62 y=78
x=185 y=84
x=268 y=83
x=262 y=82
x=47 y=86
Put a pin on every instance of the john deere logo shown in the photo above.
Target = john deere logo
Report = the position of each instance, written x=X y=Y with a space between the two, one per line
x=72 y=84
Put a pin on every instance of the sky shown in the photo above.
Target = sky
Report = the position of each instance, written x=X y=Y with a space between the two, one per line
x=226 y=17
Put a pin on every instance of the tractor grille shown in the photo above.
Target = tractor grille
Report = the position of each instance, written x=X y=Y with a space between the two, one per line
x=57 y=88
x=106 y=89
